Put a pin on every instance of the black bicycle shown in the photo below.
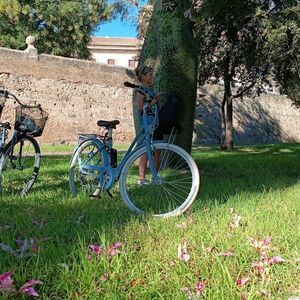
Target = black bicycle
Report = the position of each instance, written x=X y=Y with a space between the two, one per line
x=20 y=154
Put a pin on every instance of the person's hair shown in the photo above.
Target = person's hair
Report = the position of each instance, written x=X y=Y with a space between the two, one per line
x=142 y=70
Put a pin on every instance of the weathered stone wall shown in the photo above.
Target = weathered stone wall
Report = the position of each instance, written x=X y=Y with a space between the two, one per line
x=264 y=119
x=77 y=93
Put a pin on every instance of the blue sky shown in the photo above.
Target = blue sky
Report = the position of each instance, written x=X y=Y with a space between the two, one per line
x=117 y=28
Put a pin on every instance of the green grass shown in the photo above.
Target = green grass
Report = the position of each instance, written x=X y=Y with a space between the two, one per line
x=261 y=183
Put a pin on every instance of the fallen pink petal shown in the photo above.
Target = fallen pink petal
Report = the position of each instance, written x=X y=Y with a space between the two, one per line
x=185 y=289
x=226 y=254
x=242 y=281
x=199 y=288
x=276 y=260
x=116 y=245
x=28 y=289
x=96 y=249
x=182 y=252
x=267 y=240
x=114 y=250
x=5 y=278
x=260 y=246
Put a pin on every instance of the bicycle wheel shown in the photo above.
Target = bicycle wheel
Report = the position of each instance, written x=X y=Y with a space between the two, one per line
x=82 y=181
x=19 y=165
x=172 y=194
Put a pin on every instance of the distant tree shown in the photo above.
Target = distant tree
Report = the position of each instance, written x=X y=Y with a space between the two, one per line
x=61 y=27
x=231 y=38
x=241 y=43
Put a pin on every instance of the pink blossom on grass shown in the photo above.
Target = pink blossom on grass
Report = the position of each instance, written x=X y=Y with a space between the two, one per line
x=96 y=249
x=114 y=250
x=116 y=245
x=242 y=281
x=276 y=260
x=182 y=252
x=199 y=287
x=28 y=288
x=185 y=289
x=6 y=283
x=260 y=245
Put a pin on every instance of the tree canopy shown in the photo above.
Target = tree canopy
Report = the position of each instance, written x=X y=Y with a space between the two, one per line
x=245 y=45
x=61 y=27
x=284 y=48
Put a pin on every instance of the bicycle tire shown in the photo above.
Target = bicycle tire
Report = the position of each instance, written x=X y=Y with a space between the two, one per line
x=89 y=152
x=175 y=193
x=19 y=167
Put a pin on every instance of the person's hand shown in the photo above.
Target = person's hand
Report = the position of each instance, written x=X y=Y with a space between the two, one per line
x=156 y=97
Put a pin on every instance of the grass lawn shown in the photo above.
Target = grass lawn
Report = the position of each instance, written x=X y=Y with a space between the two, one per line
x=52 y=232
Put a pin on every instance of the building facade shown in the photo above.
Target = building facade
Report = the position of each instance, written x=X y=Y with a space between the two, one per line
x=115 y=51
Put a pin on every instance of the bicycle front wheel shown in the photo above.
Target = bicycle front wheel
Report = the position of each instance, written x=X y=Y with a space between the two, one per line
x=174 y=191
x=83 y=181
x=19 y=165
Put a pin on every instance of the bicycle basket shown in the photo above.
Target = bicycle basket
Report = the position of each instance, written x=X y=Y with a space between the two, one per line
x=30 y=120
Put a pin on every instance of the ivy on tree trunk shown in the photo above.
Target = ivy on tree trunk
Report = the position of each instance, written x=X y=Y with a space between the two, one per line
x=171 y=49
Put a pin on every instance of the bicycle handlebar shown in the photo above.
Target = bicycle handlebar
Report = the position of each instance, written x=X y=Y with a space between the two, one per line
x=7 y=94
x=140 y=89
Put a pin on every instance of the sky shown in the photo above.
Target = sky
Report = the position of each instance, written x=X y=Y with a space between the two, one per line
x=117 y=28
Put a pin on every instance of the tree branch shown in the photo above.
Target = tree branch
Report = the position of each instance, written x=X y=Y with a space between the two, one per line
x=240 y=94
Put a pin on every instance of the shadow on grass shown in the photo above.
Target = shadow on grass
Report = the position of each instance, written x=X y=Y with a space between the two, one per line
x=250 y=169
x=70 y=224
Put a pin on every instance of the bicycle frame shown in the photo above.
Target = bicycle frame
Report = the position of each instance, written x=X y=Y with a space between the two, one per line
x=145 y=134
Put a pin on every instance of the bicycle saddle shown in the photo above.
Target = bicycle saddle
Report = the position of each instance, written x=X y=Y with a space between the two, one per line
x=108 y=124
x=5 y=125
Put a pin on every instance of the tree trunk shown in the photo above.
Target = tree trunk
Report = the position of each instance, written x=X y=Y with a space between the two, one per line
x=228 y=142
x=226 y=117
x=172 y=50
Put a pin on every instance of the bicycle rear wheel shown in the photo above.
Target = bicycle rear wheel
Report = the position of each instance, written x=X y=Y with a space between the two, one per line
x=173 y=194
x=19 y=165
x=82 y=181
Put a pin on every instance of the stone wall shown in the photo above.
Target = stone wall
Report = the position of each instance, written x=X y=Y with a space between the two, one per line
x=77 y=93
x=265 y=119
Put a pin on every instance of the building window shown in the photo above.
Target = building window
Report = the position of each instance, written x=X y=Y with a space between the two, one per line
x=131 y=63
x=111 y=61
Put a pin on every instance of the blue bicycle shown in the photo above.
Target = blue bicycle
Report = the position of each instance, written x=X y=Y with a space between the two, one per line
x=172 y=183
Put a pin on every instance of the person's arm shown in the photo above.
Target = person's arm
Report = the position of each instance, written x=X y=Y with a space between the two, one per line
x=140 y=101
